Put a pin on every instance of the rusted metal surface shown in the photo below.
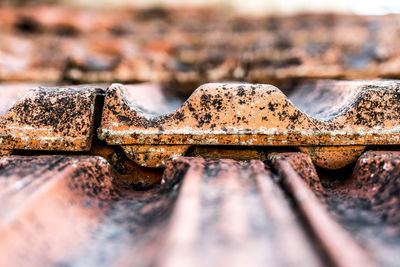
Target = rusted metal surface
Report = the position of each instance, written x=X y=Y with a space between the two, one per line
x=365 y=202
x=43 y=43
x=48 y=118
x=363 y=113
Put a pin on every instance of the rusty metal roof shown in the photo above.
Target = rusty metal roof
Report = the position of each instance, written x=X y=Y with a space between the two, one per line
x=168 y=169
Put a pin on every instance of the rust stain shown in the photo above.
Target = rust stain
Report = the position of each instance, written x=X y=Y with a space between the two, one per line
x=257 y=115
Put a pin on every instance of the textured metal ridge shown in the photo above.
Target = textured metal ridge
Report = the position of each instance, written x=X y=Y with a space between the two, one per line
x=48 y=118
x=363 y=113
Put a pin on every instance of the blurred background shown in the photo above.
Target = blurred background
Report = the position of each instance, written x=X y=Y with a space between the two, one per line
x=183 y=44
x=250 y=6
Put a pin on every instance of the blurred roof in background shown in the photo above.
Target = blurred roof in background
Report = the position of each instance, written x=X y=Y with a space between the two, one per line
x=363 y=7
